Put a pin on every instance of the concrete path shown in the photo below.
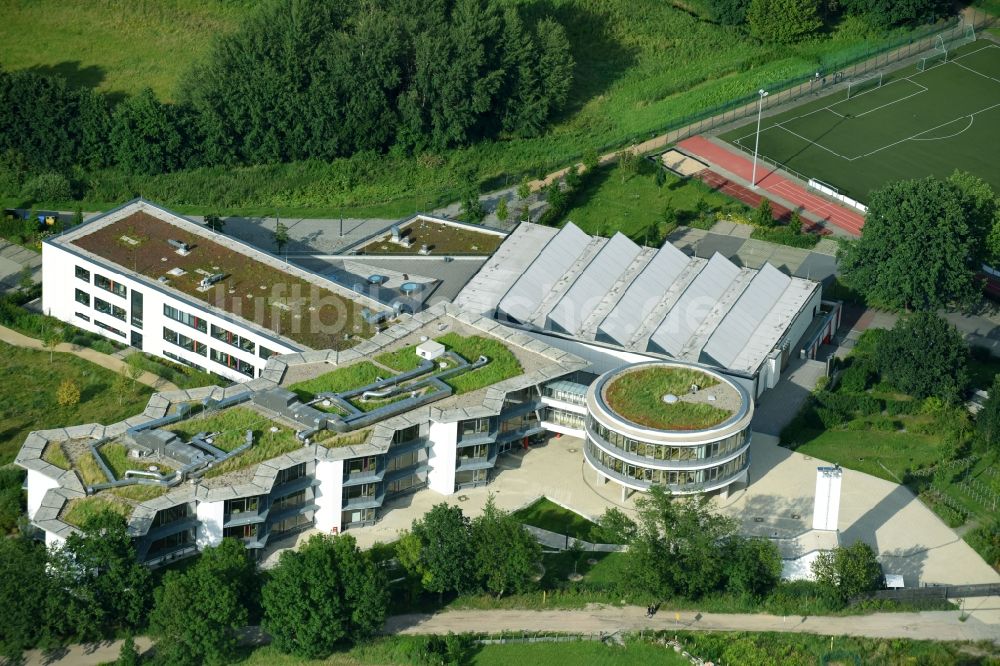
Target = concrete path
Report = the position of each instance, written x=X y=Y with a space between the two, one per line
x=13 y=260
x=108 y=361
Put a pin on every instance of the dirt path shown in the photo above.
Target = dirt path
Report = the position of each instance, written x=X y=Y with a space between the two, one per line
x=928 y=625
x=12 y=337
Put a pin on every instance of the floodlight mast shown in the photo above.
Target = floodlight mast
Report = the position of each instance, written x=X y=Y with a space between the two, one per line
x=760 y=109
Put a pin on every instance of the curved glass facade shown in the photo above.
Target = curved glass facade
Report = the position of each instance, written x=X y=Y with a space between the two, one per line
x=683 y=480
x=667 y=453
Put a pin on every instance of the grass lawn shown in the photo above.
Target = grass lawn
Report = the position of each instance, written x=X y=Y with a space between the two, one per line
x=79 y=511
x=641 y=64
x=916 y=124
x=116 y=457
x=548 y=515
x=638 y=397
x=401 y=360
x=231 y=426
x=117 y=46
x=577 y=652
x=864 y=450
x=635 y=206
x=89 y=470
x=342 y=379
x=31 y=405
x=503 y=364
x=181 y=375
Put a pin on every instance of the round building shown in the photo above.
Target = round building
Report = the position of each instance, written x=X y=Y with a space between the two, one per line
x=675 y=425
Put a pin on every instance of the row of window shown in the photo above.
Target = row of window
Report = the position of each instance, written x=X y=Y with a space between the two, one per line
x=402 y=485
x=366 y=465
x=357 y=517
x=680 y=478
x=290 y=501
x=666 y=452
x=471 y=477
x=232 y=362
x=290 y=474
x=184 y=342
x=104 y=307
x=231 y=338
x=195 y=322
x=365 y=490
x=105 y=283
x=200 y=348
x=110 y=329
x=170 y=543
x=528 y=420
x=403 y=460
x=565 y=392
x=473 y=427
x=167 y=516
x=563 y=418
x=469 y=453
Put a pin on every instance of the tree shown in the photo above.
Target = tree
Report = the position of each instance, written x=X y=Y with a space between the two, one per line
x=988 y=418
x=501 y=211
x=77 y=217
x=924 y=355
x=68 y=393
x=472 y=207
x=24 y=587
x=439 y=550
x=197 y=613
x=729 y=12
x=122 y=385
x=505 y=553
x=753 y=566
x=133 y=366
x=982 y=212
x=129 y=653
x=628 y=164
x=147 y=135
x=98 y=586
x=281 y=236
x=11 y=498
x=523 y=189
x=52 y=338
x=783 y=21
x=215 y=222
x=850 y=571
x=326 y=592
x=917 y=250
x=764 y=215
x=676 y=546
x=887 y=13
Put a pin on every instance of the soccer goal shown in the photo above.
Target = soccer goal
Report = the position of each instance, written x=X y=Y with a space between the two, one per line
x=938 y=57
x=855 y=88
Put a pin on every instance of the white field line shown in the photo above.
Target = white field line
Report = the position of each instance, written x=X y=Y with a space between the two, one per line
x=972 y=119
x=814 y=143
x=914 y=137
x=987 y=76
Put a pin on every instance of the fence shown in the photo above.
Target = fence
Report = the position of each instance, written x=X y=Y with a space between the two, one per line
x=938 y=592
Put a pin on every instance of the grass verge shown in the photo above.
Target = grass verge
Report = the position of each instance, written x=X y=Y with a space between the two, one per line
x=78 y=511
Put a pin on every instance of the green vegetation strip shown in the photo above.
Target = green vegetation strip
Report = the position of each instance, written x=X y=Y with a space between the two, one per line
x=503 y=364
x=339 y=380
x=140 y=492
x=548 y=515
x=230 y=424
x=78 y=511
x=638 y=396
x=54 y=455
x=401 y=360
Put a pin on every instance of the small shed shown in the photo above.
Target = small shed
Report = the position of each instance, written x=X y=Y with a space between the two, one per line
x=430 y=350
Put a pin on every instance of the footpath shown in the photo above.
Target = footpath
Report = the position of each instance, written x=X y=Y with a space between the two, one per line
x=108 y=361
x=926 y=625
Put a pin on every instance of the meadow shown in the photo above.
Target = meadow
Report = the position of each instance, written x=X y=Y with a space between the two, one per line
x=641 y=65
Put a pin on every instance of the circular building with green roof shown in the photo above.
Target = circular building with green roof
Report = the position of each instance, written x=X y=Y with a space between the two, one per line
x=670 y=424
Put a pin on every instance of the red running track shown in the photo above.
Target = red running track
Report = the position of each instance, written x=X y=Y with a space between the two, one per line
x=848 y=220
x=722 y=184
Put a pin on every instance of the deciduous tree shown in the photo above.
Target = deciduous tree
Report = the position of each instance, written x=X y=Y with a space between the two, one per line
x=68 y=393
x=439 y=550
x=917 y=251
x=849 y=570
x=505 y=553
x=783 y=21
x=924 y=355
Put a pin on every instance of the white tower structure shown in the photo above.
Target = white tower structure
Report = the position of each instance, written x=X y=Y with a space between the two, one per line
x=826 y=509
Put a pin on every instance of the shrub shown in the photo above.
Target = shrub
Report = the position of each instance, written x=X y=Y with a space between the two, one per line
x=857 y=377
x=885 y=424
x=68 y=393
x=902 y=407
x=47 y=187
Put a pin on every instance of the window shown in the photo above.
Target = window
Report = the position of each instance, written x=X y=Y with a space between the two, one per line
x=265 y=353
x=289 y=501
x=136 y=339
x=110 y=329
x=357 y=517
x=290 y=523
x=173 y=514
x=231 y=338
x=290 y=474
x=194 y=322
x=137 y=308
x=82 y=316
x=83 y=274
x=404 y=460
x=406 y=435
x=474 y=427
x=232 y=362
x=472 y=476
x=116 y=288
x=467 y=453
x=364 y=491
x=360 y=466
x=242 y=505
x=401 y=485
x=184 y=342
x=241 y=531
x=82 y=297
x=169 y=543
x=104 y=307
x=169 y=354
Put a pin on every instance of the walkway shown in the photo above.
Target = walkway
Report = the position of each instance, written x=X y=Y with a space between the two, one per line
x=112 y=363
x=773 y=182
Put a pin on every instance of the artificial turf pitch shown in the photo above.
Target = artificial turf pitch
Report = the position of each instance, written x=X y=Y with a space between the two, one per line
x=916 y=124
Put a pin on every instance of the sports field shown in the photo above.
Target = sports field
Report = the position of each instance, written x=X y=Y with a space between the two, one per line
x=915 y=124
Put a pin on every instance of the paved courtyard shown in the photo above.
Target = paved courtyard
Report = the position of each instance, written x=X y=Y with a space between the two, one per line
x=778 y=503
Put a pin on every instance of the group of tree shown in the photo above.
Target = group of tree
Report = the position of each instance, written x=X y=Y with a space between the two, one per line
x=88 y=589
x=306 y=79
x=449 y=553
x=924 y=243
x=785 y=21
x=677 y=546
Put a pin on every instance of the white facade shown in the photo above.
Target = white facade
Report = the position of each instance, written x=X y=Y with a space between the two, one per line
x=826 y=511
x=443 y=457
x=38 y=485
x=329 y=495
x=60 y=287
x=211 y=516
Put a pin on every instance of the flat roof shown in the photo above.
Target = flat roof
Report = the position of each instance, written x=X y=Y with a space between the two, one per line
x=135 y=240
x=441 y=236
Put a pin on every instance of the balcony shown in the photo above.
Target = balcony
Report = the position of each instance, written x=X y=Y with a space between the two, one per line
x=364 y=476
x=657 y=463
x=244 y=518
x=483 y=462
x=364 y=501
